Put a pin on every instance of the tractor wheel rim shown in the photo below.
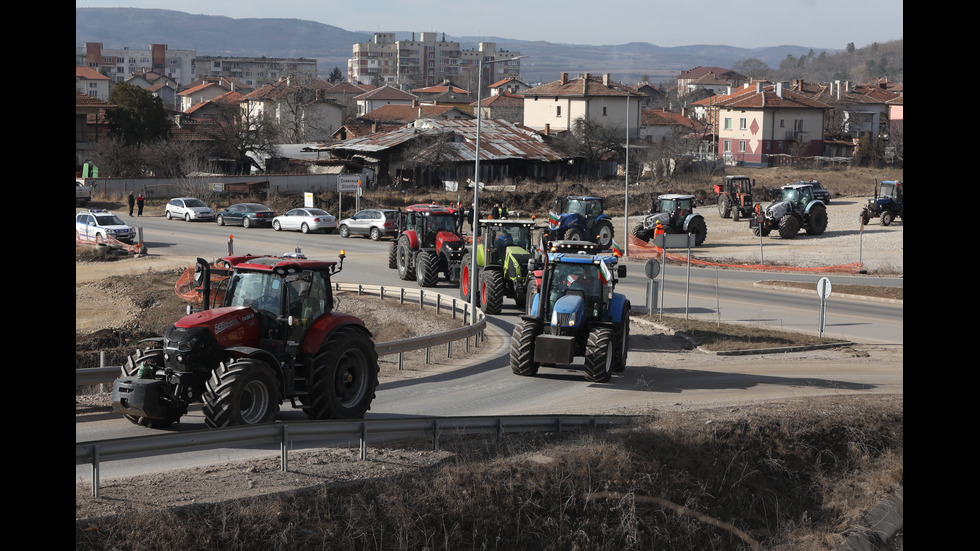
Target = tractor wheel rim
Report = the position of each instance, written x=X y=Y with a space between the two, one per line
x=254 y=402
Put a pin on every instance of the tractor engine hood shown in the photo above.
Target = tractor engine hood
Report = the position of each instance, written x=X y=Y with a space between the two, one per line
x=568 y=311
x=448 y=239
x=230 y=325
x=650 y=221
x=778 y=209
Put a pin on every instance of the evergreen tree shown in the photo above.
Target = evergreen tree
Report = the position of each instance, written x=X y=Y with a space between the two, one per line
x=138 y=116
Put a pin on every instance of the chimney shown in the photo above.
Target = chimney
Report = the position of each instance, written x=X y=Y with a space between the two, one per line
x=605 y=79
x=779 y=89
x=564 y=78
x=547 y=129
x=758 y=86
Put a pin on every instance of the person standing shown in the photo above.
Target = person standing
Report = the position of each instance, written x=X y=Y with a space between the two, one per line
x=139 y=205
x=132 y=203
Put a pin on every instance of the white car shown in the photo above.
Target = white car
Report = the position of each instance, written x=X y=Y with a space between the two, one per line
x=102 y=226
x=187 y=209
x=305 y=220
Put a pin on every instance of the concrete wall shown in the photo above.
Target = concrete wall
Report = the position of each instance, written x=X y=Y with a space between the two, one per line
x=162 y=188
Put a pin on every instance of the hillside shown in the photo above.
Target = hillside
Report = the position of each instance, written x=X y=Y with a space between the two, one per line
x=331 y=46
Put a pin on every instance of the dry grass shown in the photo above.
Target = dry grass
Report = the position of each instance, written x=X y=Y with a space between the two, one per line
x=725 y=337
x=792 y=476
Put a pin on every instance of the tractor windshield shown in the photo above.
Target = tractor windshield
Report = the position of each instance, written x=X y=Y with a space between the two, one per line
x=440 y=222
x=889 y=190
x=791 y=194
x=259 y=290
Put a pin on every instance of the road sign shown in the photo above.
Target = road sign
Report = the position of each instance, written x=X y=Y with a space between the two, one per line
x=652 y=268
x=674 y=241
x=823 y=287
x=348 y=183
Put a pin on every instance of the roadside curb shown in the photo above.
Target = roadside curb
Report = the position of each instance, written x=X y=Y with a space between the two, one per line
x=745 y=352
x=814 y=291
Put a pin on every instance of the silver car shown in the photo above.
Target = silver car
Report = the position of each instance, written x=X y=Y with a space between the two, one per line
x=187 y=209
x=101 y=226
x=374 y=223
x=305 y=220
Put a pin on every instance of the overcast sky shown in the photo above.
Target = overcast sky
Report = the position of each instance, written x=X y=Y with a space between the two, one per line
x=820 y=24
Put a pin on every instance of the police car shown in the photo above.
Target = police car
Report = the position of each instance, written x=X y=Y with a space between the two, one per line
x=100 y=225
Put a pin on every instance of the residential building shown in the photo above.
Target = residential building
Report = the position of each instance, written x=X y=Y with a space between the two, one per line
x=691 y=76
x=254 y=71
x=92 y=83
x=408 y=64
x=445 y=93
x=554 y=107
x=508 y=107
x=758 y=121
x=855 y=110
x=508 y=85
x=301 y=107
x=120 y=64
x=160 y=86
x=89 y=126
x=200 y=93
x=385 y=95
x=658 y=125
x=651 y=98
x=397 y=113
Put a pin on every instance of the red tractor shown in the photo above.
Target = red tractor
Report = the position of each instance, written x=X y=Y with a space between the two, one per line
x=735 y=197
x=429 y=244
x=270 y=334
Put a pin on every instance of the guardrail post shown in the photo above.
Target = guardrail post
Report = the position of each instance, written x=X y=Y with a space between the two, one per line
x=454 y=308
x=500 y=429
x=102 y=386
x=421 y=298
x=435 y=435
x=359 y=286
x=426 y=354
x=401 y=298
x=449 y=349
x=382 y=292
x=363 y=440
x=558 y=425
x=95 y=471
x=438 y=303
x=467 y=347
x=282 y=448
x=400 y=360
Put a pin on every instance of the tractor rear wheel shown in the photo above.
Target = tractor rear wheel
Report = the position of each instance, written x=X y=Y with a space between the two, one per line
x=621 y=340
x=344 y=377
x=818 y=220
x=724 y=206
x=599 y=354
x=154 y=358
x=522 y=348
x=404 y=259
x=427 y=269
x=789 y=226
x=241 y=392
x=641 y=233
x=465 y=279
x=491 y=291
x=574 y=234
x=760 y=231
x=700 y=230
x=604 y=235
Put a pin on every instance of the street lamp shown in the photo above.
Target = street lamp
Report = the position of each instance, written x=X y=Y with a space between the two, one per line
x=476 y=181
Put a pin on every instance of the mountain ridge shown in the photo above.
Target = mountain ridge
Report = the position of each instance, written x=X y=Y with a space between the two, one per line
x=218 y=35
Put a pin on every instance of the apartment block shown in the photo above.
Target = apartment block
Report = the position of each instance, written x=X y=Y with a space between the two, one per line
x=427 y=61
x=253 y=71
x=120 y=64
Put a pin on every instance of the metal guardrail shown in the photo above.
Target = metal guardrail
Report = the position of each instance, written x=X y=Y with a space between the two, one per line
x=430 y=299
x=339 y=432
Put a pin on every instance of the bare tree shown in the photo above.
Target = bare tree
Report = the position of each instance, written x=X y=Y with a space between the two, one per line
x=240 y=130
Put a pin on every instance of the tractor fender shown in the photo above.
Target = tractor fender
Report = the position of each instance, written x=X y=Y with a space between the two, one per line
x=325 y=325
x=601 y=217
x=535 y=306
x=809 y=205
x=258 y=354
x=413 y=239
x=567 y=220
x=690 y=218
x=616 y=306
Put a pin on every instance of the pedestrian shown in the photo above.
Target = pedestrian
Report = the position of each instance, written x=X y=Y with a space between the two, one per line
x=460 y=216
x=132 y=203
x=139 y=205
x=469 y=217
x=503 y=211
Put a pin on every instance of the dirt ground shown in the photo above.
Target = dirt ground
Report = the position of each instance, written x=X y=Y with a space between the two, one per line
x=99 y=307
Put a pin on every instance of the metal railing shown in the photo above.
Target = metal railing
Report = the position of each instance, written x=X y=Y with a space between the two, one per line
x=420 y=296
x=336 y=433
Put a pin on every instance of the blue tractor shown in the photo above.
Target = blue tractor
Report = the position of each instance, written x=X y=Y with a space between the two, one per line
x=887 y=203
x=574 y=311
x=581 y=218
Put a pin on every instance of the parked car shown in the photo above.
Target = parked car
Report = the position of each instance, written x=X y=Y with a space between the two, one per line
x=374 y=223
x=100 y=225
x=187 y=209
x=246 y=214
x=819 y=192
x=305 y=220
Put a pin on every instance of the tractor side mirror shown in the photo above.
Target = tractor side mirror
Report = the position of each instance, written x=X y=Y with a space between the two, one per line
x=621 y=271
x=201 y=271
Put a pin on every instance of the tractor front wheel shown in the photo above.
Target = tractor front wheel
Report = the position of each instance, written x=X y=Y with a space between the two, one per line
x=522 y=348
x=427 y=269
x=887 y=217
x=153 y=358
x=465 y=279
x=641 y=233
x=604 y=235
x=491 y=291
x=621 y=340
x=724 y=206
x=599 y=354
x=392 y=251
x=344 y=377
x=241 y=392
x=789 y=226
x=574 y=234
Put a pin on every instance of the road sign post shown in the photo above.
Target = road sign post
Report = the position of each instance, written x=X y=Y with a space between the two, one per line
x=823 y=289
x=678 y=241
x=348 y=182
x=652 y=270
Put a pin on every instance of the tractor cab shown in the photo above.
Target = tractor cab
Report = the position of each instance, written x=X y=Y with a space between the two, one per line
x=677 y=206
x=891 y=189
x=589 y=208
x=500 y=235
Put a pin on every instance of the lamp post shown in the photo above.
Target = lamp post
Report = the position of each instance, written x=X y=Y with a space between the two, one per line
x=626 y=203
x=476 y=181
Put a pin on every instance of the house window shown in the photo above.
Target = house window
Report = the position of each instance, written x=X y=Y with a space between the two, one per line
x=782 y=123
x=603 y=111
x=728 y=123
x=741 y=124
x=798 y=125
x=728 y=146
x=558 y=113
x=741 y=146
x=217 y=64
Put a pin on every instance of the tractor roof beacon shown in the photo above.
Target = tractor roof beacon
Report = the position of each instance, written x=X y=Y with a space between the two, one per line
x=428 y=244
x=581 y=218
x=574 y=312
x=267 y=333
x=675 y=212
x=502 y=256
x=796 y=209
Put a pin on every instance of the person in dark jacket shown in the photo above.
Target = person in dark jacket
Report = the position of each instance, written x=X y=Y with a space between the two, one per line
x=132 y=203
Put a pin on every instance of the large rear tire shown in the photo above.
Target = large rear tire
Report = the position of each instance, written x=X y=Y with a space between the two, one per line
x=491 y=291
x=404 y=259
x=427 y=269
x=604 y=235
x=344 y=378
x=241 y=392
x=574 y=234
x=700 y=230
x=724 y=206
x=641 y=233
x=818 y=220
x=599 y=354
x=153 y=357
x=522 y=348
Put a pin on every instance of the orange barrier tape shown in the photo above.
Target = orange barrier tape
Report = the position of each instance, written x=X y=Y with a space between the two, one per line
x=652 y=251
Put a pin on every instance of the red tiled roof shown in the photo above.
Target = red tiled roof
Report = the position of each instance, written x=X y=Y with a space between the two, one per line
x=91 y=74
x=386 y=93
x=407 y=113
x=583 y=86
x=659 y=117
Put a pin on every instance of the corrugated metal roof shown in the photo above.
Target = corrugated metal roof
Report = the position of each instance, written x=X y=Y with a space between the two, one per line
x=499 y=140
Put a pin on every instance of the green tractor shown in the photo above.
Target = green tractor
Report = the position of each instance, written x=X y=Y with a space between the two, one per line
x=502 y=255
